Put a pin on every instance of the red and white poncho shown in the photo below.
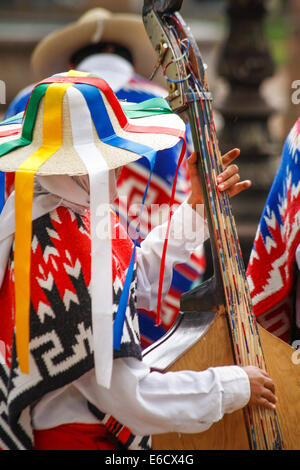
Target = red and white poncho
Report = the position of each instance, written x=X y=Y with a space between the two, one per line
x=61 y=340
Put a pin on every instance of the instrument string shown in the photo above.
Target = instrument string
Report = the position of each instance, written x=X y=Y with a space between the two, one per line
x=184 y=46
x=246 y=349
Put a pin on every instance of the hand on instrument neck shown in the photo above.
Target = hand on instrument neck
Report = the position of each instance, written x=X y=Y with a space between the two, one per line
x=228 y=180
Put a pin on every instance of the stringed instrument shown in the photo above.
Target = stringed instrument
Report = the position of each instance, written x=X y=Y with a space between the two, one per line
x=216 y=325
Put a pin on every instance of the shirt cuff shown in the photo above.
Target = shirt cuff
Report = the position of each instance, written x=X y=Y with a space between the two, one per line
x=298 y=256
x=190 y=226
x=236 y=387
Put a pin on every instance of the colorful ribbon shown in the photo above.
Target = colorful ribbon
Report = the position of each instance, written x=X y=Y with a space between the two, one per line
x=16 y=119
x=29 y=121
x=52 y=141
x=164 y=253
x=2 y=193
x=107 y=134
x=151 y=107
x=101 y=249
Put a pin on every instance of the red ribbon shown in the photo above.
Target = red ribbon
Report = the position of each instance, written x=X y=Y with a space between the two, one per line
x=10 y=132
x=163 y=258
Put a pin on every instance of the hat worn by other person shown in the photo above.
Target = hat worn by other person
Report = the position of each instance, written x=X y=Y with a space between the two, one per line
x=74 y=125
x=95 y=26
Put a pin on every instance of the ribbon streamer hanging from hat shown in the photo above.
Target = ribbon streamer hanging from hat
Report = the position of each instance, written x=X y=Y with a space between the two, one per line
x=52 y=141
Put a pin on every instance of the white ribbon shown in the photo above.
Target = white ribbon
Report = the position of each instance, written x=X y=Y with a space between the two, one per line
x=101 y=256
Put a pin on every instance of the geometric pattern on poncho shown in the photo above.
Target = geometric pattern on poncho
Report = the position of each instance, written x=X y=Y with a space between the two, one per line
x=61 y=340
x=271 y=269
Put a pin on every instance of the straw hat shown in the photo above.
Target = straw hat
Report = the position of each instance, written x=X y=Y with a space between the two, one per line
x=53 y=53
x=119 y=6
x=66 y=160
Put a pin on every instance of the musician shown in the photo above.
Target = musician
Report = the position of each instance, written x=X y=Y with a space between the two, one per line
x=124 y=57
x=68 y=412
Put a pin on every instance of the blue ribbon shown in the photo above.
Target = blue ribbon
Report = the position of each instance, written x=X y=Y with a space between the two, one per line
x=107 y=134
x=2 y=190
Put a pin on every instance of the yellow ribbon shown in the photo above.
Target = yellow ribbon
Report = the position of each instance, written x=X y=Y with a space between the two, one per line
x=77 y=73
x=52 y=141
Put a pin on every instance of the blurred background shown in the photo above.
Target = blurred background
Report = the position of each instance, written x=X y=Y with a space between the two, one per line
x=251 y=49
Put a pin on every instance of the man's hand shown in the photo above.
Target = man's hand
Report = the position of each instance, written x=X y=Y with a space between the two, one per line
x=228 y=180
x=262 y=388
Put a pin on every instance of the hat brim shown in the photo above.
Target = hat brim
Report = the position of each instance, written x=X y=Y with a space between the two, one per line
x=54 y=52
x=66 y=160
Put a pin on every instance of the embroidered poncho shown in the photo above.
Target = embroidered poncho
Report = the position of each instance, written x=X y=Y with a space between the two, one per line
x=61 y=340
x=271 y=269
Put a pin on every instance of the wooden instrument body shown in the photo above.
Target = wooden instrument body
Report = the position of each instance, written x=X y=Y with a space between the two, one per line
x=214 y=349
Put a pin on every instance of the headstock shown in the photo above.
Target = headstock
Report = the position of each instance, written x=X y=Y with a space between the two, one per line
x=162 y=6
x=177 y=52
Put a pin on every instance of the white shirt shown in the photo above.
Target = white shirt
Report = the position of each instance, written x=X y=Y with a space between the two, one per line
x=150 y=402
x=112 y=68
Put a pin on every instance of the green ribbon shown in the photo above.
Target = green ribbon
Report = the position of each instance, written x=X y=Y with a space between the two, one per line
x=28 y=125
x=152 y=107
x=10 y=120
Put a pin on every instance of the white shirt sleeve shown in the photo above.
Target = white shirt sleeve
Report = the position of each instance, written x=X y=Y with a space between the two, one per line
x=188 y=230
x=148 y=402
x=152 y=402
